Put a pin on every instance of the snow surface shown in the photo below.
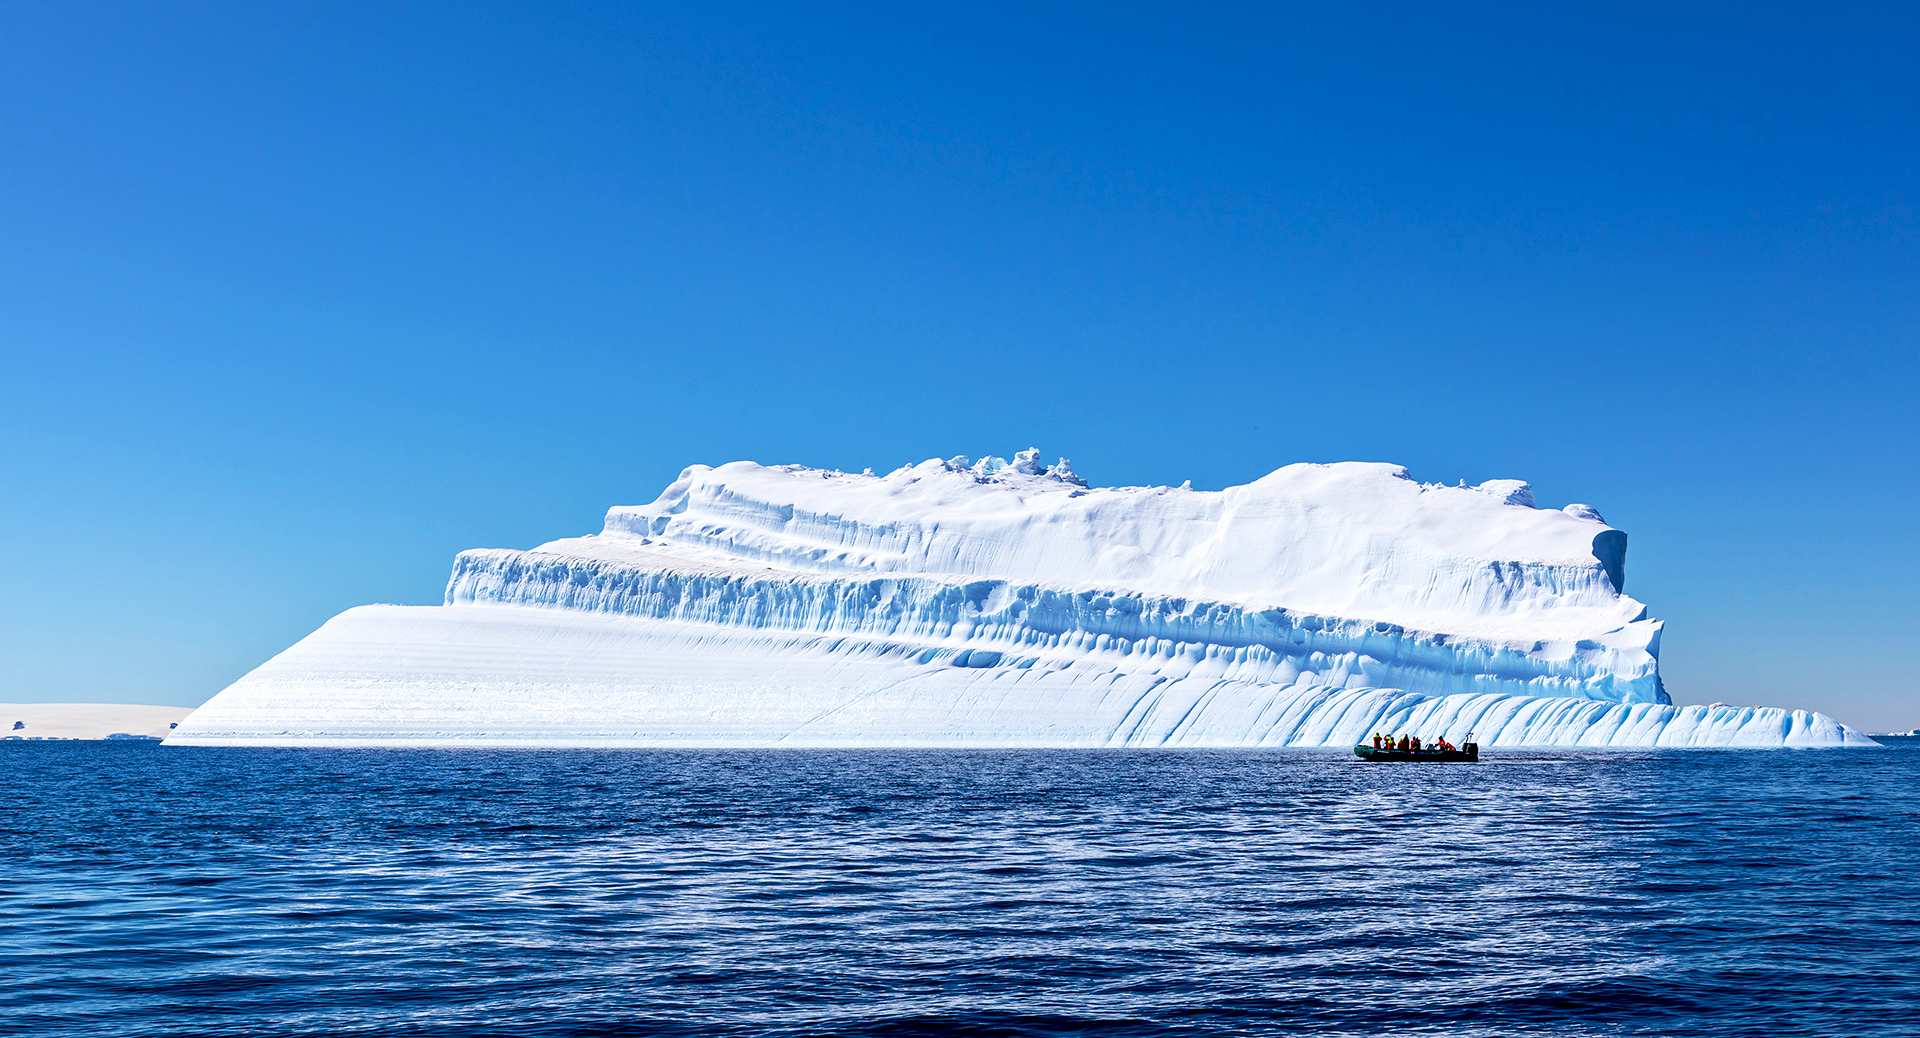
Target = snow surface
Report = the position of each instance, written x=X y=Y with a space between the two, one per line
x=996 y=603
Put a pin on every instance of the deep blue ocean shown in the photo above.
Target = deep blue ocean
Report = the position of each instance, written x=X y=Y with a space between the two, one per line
x=151 y=890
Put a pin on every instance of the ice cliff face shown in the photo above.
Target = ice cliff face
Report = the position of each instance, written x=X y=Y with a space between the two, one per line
x=994 y=603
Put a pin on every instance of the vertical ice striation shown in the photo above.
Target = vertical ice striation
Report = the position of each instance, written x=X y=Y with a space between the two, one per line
x=989 y=602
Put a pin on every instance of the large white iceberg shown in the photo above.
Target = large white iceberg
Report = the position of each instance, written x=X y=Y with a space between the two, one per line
x=961 y=603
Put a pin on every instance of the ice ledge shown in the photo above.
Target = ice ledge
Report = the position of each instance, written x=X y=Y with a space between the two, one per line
x=1618 y=666
x=432 y=676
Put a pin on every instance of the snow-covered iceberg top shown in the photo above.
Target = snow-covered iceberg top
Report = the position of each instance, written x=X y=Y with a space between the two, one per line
x=963 y=602
x=1360 y=541
x=1353 y=539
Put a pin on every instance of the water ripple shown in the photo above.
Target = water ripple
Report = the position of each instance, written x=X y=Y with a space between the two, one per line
x=166 y=891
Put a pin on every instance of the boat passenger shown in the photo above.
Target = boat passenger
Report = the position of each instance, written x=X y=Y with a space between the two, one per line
x=1376 y=740
x=1403 y=742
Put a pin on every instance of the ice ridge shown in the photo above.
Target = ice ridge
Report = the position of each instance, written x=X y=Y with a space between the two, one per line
x=1006 y=617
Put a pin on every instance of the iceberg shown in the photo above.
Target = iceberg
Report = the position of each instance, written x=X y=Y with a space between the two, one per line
x=967 y=603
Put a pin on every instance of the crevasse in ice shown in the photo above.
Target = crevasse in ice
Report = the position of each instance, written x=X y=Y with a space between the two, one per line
x=997 y=603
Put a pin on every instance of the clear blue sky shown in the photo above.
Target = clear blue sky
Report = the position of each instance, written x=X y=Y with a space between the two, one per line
x=298 y=300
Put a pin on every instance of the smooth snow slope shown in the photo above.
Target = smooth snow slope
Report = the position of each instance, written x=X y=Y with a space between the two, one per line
x=993 y=604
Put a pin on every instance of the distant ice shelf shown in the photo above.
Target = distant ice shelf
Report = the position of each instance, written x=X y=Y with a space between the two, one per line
x=995 y=603
x=34 y=722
